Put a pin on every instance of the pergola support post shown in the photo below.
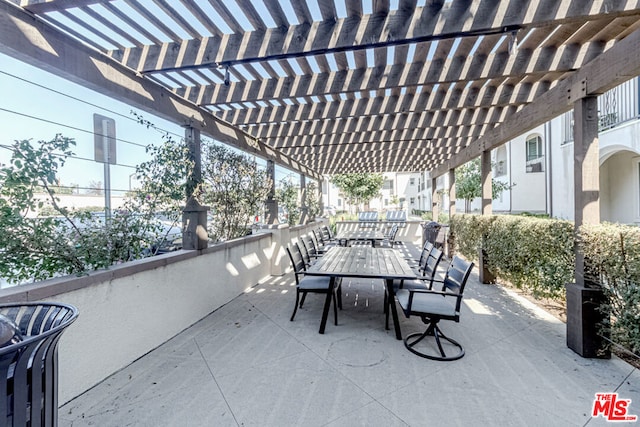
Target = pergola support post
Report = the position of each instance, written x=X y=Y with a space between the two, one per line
x=194 y=215
x=452 y=211
x=487 y=191
x=435 y=211
x=304 y=207
x=585 y=296
x=271 y=204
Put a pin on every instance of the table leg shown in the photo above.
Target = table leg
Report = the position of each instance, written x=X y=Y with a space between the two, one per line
x=327 y=304
x=394 y=311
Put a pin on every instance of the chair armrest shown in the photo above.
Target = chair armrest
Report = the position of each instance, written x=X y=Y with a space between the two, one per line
x=431 y=291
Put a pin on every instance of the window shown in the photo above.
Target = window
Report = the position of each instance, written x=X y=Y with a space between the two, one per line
x=412 y=181
x=500 y=165
x=412 y=200
x=535 y=155
x=388 y=184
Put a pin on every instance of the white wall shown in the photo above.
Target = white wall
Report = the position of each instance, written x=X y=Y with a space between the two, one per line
x=529 y=192
x=619 y=188
x=130 y=309
x=619 y=176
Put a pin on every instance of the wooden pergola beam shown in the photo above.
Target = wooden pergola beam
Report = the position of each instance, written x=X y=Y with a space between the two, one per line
x=32 y=40
x=355 y=33
x=615 y=66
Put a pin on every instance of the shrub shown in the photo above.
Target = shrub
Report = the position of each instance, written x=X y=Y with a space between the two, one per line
x=531 y=253
x=613 y=252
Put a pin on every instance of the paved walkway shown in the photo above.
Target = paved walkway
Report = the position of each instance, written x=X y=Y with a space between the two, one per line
x=246 y=364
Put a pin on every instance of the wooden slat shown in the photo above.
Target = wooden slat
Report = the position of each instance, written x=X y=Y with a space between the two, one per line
x=489 y=95
x=347 y=33
x=252 y=15
x=39 y=44
x=608 y=70
x=468 y=94
x=450 y=70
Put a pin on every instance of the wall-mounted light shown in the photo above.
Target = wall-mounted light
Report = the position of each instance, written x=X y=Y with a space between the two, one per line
x=226 y=76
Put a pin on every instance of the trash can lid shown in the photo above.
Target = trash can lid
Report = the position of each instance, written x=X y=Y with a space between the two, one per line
x=9 y=332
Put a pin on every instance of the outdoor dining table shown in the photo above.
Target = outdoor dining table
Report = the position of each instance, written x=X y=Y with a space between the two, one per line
x=370 y=234
x=367 y=262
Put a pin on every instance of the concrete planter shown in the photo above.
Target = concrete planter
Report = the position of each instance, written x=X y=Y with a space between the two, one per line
x=583 y=318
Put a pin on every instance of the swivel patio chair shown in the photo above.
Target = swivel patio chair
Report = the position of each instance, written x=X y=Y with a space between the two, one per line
x=433 y=306
x=314 y=284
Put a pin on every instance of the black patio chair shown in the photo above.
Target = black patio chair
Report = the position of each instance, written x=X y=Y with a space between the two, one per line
x=313 y=284
x=308 y=261
x=322 y=244
x=326 y=234
x=390 y=237
x=433 y=306
x=427 y=268
x=310 y=247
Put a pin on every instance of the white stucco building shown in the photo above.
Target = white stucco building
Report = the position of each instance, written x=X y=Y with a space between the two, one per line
x=539 y=164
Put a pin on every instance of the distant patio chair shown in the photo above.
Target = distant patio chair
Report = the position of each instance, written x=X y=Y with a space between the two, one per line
x=323 y=244
x=390 y=237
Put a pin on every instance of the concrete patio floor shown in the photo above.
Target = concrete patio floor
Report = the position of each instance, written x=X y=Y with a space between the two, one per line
x=246 y=364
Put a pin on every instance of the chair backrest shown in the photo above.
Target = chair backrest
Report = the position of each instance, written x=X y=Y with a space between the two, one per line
x=325 y=233
x=391 y=233
x=296 y=260
x=318 y=237
x=431 y=262
x=394 y=232
x=427 y=246
x=309 y=245
x=456 y=277
x=305 y=255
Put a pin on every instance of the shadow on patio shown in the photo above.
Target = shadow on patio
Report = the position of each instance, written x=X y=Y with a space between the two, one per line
x=247 y=364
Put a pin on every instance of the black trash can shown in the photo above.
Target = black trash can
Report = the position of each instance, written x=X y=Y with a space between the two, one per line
x=29 y=335
x=430 y=232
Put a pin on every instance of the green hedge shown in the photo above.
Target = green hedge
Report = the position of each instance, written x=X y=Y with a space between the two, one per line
x=538 y=255
x=613 y=252
x=531 y=253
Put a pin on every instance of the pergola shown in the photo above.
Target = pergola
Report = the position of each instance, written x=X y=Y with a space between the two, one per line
x=408 y=88
x=325 y=86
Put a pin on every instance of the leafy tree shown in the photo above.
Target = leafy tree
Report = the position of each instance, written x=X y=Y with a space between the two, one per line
x=69 y=242
x=235 y=189
x=287 y=197
x=313 y=202
x=469 y=183
x=359 y=188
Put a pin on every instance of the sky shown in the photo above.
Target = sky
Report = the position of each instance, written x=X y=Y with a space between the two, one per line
x=37 y=105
